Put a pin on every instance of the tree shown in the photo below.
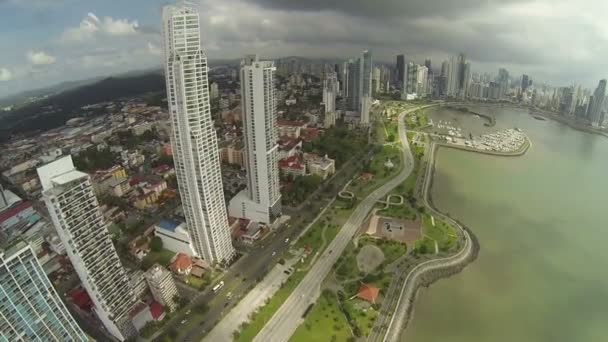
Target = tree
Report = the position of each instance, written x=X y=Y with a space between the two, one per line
x=390 y=138
x=156 y=244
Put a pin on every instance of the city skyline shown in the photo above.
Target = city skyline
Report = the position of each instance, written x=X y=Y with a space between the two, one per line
x=97 y=39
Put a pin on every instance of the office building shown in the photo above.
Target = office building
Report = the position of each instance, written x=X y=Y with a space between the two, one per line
x=525 y=82
x=193 y=140
x=261 y=201
x=503 y=81
x=360 y=86
x=330 y=92
x=400 y=71
x=596 y=105
x=162 y=286
x=366 y=86
x=31 y=309
x=74 y=210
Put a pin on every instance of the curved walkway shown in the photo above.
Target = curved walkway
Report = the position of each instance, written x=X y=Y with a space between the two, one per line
x=405 y=302
x=289 y=316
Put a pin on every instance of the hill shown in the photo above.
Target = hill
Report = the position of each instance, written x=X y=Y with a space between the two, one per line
x=55 y=110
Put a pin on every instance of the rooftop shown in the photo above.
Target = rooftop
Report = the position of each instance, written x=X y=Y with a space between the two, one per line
x=168 y=224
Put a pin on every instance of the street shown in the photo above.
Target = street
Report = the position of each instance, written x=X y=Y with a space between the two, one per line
x=289 y=316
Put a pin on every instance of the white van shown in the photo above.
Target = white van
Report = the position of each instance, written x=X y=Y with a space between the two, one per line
x=218 y=286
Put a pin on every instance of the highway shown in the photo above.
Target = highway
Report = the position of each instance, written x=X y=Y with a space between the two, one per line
x=393 y=321
x=289 y=316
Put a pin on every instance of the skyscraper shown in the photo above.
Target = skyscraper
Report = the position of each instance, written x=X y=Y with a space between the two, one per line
x=365 y=96
x=400 y=70
x=262 y=200
x=31 y=309
x=194 y=140
x=596 y=106
x=503 y=81
x=524 y=82
x=330 y=91
x=442 y=87
x=74 y=210
x=453 y=77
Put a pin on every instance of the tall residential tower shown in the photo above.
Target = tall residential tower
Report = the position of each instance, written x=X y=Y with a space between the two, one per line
x=31 y=309
x=74 y=210
x=194 y=140
x=261 y=202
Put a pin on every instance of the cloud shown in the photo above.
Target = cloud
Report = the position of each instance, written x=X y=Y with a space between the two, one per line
x=92 y=25
x=555 y=40
x=153 y=49
x=40 y=58
x=5 y=75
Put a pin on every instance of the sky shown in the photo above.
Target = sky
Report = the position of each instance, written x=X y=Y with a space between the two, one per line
x=562 y=42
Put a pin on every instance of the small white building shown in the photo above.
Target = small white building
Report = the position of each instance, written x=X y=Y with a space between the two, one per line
x=175 y=236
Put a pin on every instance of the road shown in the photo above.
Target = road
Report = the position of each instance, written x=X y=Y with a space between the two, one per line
x=289 y=316
x=393 y=321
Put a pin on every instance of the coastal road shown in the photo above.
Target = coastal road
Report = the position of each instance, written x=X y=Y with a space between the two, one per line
x=289 y=316
x=390 y=326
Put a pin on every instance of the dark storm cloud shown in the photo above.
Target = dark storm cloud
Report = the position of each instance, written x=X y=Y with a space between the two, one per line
x=540 y=37
x=383 y=8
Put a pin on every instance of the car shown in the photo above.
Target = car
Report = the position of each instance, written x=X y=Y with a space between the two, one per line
x=274 y=253
x=188 y=312
x=287 y=240
x=229 y=294
x=184 y=321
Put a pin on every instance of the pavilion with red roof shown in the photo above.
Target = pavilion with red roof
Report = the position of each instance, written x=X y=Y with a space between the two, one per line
x=368 y=293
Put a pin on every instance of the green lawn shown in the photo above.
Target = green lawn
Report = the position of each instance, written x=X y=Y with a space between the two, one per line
x=324 y=322
x=362 y=314
x=378 y=169
x=392 y=250
x=163 y=258
x=346 y=267
x=443 y=233
x=199 y=283
x=398 y=211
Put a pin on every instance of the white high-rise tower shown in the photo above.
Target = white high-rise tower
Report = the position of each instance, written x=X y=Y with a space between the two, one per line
x=262 y=200
x=74 y=210
x=194 y=140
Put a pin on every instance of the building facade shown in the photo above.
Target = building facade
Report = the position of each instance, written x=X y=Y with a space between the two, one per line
x=31 y=308
x=162 y=286
x=74 y=210
x=194 y=140
x=263 y=200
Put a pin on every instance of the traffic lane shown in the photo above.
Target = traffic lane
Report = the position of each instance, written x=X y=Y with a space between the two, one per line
x=245 y=271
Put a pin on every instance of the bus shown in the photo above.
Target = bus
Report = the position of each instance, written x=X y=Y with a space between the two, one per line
x=218 y=286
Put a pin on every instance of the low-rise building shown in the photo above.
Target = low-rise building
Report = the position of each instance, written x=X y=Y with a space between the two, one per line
x=292 y=166
x=162 y=286
x=320 y=166
x=290 y=129
x=175 y=236
x=288 y=147
x=232 y=154
x=182 y=264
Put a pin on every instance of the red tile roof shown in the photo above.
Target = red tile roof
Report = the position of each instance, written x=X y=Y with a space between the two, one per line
x=156 y=310
x=291 y=163
x=368 y=293
x=81 y=298
x=182 y=262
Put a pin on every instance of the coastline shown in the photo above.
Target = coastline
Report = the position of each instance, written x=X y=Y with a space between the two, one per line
x=427 y=273
x=542 y=113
